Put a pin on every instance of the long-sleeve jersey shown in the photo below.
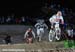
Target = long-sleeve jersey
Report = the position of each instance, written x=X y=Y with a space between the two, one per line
x=56 y=19
x=38 y=26
x=28 y=34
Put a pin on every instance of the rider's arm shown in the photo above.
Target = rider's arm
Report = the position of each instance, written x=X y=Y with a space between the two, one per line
x=25 y=34
x=62 y=20
x=46 y=26
x=33 y=33
x=52 y=19
x=36 y=24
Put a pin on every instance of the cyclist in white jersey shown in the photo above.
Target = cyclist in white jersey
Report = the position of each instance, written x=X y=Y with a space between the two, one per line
x=40 y=27
x=56 y=20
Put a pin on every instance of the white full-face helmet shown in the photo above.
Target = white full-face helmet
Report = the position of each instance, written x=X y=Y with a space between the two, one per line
x=59 y=13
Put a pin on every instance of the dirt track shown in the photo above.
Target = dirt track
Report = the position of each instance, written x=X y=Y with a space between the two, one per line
x=37 y=47
x=18 y=42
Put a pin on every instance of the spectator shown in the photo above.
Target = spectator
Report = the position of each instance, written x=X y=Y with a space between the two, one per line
x=7 y=39
x=18 y=21
x=3 y=20
x=8 y=20
x=0 y=20
x=23 y=20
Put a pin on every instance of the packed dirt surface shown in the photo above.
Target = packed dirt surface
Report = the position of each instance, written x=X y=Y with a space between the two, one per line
x=36 y=45
x=17 y=35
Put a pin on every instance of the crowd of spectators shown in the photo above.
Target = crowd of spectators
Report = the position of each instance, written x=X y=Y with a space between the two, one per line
x=12 y=19
x=46 y=12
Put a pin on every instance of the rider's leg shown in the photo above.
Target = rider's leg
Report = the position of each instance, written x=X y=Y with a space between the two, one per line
x=50 y=33
x=50 y=36
x=41 y=34
x=37 y=32
x=38 y=35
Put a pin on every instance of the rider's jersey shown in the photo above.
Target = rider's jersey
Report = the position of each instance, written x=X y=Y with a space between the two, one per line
x=29 y=34
x=56 y=19
x=40 y=26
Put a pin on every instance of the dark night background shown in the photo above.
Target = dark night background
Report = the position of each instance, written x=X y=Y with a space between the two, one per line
x=21 y=7
x=29 y=7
